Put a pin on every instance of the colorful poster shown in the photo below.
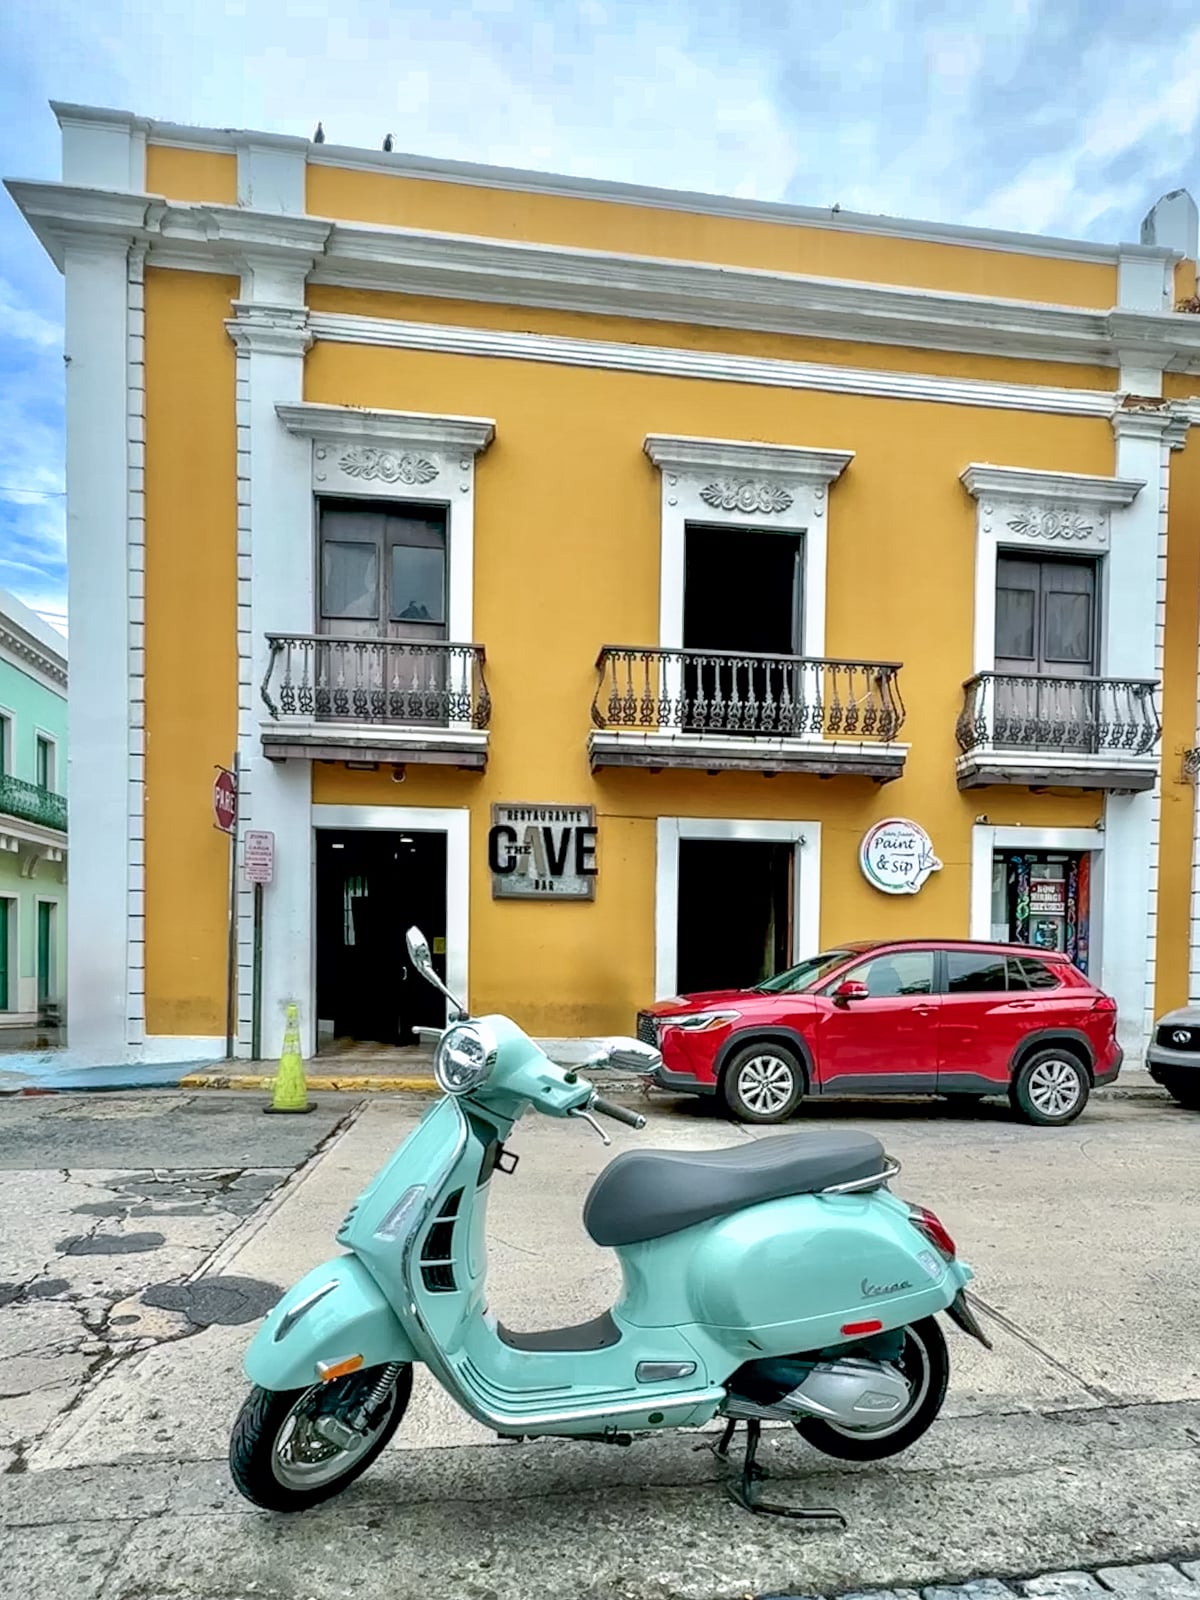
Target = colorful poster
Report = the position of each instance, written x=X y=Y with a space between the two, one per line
x=1021 y=910
x=1083 y=912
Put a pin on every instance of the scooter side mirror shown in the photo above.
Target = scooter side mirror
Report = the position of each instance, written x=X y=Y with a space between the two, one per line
x=418 y=954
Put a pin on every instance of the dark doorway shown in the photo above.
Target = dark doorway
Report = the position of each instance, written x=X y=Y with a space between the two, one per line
x=735 y=913
x=743 y=595
x=1046 y=642
x=371 y=888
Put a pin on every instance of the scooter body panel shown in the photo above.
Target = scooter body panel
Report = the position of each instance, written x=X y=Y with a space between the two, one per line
x=336 y=1311
x=789 y=1275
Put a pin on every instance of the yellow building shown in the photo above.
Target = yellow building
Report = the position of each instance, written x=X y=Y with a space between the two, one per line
x=584 y=571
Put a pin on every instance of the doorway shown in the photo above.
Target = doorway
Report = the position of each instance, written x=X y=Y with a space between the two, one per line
x=1043 y=899
x=372 y=886
x=47 y=988
x=1046 y=643
x=735 y=912
x=743 y=595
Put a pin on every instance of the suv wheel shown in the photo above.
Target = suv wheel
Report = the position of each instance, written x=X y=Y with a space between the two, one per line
x=1051 y=1089
x=762 y=1083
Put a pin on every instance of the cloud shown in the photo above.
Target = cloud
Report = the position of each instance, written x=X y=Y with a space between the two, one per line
x=1062 y=116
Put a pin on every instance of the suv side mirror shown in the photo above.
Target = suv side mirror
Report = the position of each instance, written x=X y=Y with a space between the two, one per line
x=849 y=989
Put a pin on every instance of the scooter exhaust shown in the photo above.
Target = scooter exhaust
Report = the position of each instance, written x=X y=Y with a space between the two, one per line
x=852 y=1393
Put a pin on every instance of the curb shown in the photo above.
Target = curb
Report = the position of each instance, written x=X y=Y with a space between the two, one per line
x=317 y=1082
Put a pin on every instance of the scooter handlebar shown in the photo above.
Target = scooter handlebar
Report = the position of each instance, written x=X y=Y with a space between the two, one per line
x=607 y=1108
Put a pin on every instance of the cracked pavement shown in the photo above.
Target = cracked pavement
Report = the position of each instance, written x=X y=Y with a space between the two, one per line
x=142 y=1235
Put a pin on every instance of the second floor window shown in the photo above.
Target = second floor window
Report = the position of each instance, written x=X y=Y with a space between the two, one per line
x=382 y=572
x=45 y=774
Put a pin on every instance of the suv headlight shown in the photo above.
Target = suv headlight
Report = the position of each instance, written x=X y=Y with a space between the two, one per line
x=703 y=1021
x=464 y=1058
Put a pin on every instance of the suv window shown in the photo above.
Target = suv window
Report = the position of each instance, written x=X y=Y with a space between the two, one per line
x=1024 y=972
x=974 y=972
x=900 y=972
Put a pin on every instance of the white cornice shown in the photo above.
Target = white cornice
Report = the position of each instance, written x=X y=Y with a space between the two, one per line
x=668 y=290
x=676 y=362
x=223 y=238
x=1063 y=488
x=681 y=453
x=27 y=653
x=1138 y=418
x=470 y=435
x=523 y=180
x=270 y=330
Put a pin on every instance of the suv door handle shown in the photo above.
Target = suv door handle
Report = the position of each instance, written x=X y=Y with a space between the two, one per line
x=1021 y=1005
x=922 y=1011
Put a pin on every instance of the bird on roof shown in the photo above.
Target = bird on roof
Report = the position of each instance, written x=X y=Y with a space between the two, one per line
x=389 y=144
x=319 y=136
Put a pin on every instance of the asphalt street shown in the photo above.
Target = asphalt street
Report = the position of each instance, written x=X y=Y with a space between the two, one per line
x=141 y=1236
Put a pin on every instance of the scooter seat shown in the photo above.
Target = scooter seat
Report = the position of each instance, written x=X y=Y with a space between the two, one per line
x=647 y=1194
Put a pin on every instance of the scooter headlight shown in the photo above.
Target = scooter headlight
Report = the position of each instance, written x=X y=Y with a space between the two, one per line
x=464 y=1058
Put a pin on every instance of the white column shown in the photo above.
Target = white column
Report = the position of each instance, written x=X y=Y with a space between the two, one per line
x=275 y=595
x=101 y=714
x=1133 y=639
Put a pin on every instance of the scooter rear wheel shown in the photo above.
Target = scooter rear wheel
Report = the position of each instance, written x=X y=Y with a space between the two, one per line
x=925 y=1362
x=280 y=1461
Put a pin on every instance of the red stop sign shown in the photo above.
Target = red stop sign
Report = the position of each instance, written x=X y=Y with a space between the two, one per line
x=225 y=800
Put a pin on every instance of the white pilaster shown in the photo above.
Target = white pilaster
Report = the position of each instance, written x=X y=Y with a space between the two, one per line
x=1133 y=647
x=274 y=595
x=103 y=711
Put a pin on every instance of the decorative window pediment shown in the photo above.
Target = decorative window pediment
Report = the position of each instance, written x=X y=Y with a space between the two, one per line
x=1068 y=511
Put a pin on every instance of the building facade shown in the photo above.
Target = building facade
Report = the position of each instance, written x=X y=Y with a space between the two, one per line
x=33 y=823
x=586 y=572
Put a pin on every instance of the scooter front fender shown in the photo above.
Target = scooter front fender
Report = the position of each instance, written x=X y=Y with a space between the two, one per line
x=336 y=1312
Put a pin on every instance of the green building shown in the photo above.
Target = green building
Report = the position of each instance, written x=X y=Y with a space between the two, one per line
x=33 y=822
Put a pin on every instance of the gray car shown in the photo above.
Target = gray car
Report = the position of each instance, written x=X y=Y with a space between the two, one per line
x=1173 y=1058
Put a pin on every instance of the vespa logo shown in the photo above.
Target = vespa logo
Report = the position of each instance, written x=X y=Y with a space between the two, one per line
x=872 y=1291
x=1182 y=1036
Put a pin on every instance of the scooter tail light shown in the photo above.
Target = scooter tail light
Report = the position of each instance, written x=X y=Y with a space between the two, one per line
x=932 y=1228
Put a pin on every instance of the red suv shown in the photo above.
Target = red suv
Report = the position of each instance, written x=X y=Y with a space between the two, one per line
x=914 y=1017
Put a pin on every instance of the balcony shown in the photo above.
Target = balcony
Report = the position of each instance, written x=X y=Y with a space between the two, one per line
x=389 y=701
x=718 y=711
x=1047 y=732
x=30 y=803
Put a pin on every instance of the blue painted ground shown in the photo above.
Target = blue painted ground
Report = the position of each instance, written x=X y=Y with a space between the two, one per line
x=49 y=1071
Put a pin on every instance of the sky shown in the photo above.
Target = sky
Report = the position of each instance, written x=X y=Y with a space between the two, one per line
x=1050 y=116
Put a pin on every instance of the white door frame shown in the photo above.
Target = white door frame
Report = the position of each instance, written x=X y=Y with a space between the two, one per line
x=806 y=918
x=986 y=840
x=455 y=823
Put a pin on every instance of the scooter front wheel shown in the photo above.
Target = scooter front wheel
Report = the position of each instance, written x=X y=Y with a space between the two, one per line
x=293 y=1448
x=925 y=1363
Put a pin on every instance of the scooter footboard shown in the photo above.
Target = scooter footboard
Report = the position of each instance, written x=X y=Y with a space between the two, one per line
x=335 y=1313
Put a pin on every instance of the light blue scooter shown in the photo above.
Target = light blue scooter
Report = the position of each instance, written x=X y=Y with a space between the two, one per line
x=777 y=1280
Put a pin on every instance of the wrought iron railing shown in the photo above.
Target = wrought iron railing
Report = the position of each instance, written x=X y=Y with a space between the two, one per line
x=32 y=803
x=718 y=691
x=1096 y=716
x=401 y=682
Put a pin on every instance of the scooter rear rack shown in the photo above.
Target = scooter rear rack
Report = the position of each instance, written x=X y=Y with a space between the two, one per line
x=744 y=1489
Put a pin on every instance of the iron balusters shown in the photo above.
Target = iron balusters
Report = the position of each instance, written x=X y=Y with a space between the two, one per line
x=723 y=692
x=401 y=682
x=1037 y=712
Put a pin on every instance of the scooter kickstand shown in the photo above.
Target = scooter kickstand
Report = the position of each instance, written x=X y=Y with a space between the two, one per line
x=745 y=1490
